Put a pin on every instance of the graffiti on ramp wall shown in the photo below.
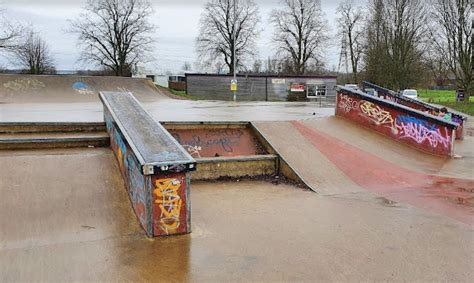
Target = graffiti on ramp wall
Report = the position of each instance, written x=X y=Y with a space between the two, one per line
x=422 y=133
x=24 y=84
x=82 y=88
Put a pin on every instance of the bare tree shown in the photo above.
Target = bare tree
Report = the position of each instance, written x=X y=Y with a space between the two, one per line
x=115 y=33
x=257 y=67
x=33 y=55
x=186 y=66
x=351 y=33
x=453 y=36
x=9 y=32
x=217 y=25
x=435 y=63
x=300 y=32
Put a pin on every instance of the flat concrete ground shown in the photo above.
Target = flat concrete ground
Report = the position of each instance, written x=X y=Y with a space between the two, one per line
x=65 y=216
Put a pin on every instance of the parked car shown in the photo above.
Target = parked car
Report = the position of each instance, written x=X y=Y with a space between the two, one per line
x=371 y=91
x=410 y=93
x=352 y=86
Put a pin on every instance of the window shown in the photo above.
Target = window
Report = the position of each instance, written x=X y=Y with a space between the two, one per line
x=321 y=90
x=316 y=91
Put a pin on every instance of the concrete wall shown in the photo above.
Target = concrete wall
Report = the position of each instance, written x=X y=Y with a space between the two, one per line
x=251 y=88
x=218 y=142
x=420 y=106
x=398 y=122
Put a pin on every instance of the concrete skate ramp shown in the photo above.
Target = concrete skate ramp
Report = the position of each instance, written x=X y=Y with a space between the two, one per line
x=60 y=89
x=336 y=157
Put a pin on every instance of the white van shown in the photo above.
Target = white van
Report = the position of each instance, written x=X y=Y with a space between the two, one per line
x=410 y=93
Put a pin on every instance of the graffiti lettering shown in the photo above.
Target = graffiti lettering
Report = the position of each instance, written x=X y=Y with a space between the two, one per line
x=409 y=119
x=24 y=84
x=376 y=114
x=226 y=138
x=421 y=131
x=195 y=151
x=347 y=103
x=169 y=202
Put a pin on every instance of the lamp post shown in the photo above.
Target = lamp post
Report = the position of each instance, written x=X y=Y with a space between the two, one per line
x=234 y=81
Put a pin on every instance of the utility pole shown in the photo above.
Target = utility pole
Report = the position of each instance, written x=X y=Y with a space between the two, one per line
x=234 y=52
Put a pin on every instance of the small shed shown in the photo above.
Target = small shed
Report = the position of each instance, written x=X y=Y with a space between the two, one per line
x=261 y=87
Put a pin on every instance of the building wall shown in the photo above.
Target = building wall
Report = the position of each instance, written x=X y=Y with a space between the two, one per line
x=251 y=88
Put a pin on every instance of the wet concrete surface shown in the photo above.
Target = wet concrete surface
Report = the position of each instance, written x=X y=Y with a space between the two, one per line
x=168 y=110
x=74 y=222
x=398 y=153
x=340 y=159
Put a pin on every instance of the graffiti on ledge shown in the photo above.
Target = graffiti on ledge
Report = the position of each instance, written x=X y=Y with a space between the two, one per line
x=421 y=131
x=417 y=131
x=347 y=103
x=131 y=171
x=168 y=200
x=376 y=114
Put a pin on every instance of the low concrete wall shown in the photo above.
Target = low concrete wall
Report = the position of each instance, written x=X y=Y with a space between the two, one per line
x=417 y=105
x=130 y=168
x=218 y=142
x=235 y=167
x=153 y=165
x=406 y=125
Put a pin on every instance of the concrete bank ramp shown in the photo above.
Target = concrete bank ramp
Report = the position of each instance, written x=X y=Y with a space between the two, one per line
x=318 y=172
x=47 y=89
x=336 y=157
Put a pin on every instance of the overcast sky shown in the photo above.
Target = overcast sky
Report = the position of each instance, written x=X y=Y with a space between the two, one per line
x=176 y=22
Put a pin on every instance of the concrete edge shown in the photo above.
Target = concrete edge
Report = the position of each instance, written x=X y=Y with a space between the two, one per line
x=51 y=127
x=283 y=166
x=236 y=158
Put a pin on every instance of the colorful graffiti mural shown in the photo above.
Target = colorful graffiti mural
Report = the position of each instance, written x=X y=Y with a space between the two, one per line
x=217 y=142
x=421 y=131
x=427 y=134
x=416 y=104
x=131 y=171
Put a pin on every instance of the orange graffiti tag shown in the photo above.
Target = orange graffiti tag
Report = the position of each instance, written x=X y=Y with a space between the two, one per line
x=169 y=202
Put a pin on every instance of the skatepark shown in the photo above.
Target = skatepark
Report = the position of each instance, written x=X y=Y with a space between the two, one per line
x=279 y=191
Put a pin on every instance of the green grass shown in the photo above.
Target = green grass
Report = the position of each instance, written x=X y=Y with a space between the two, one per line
x=446 y=98
x=182 y=94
